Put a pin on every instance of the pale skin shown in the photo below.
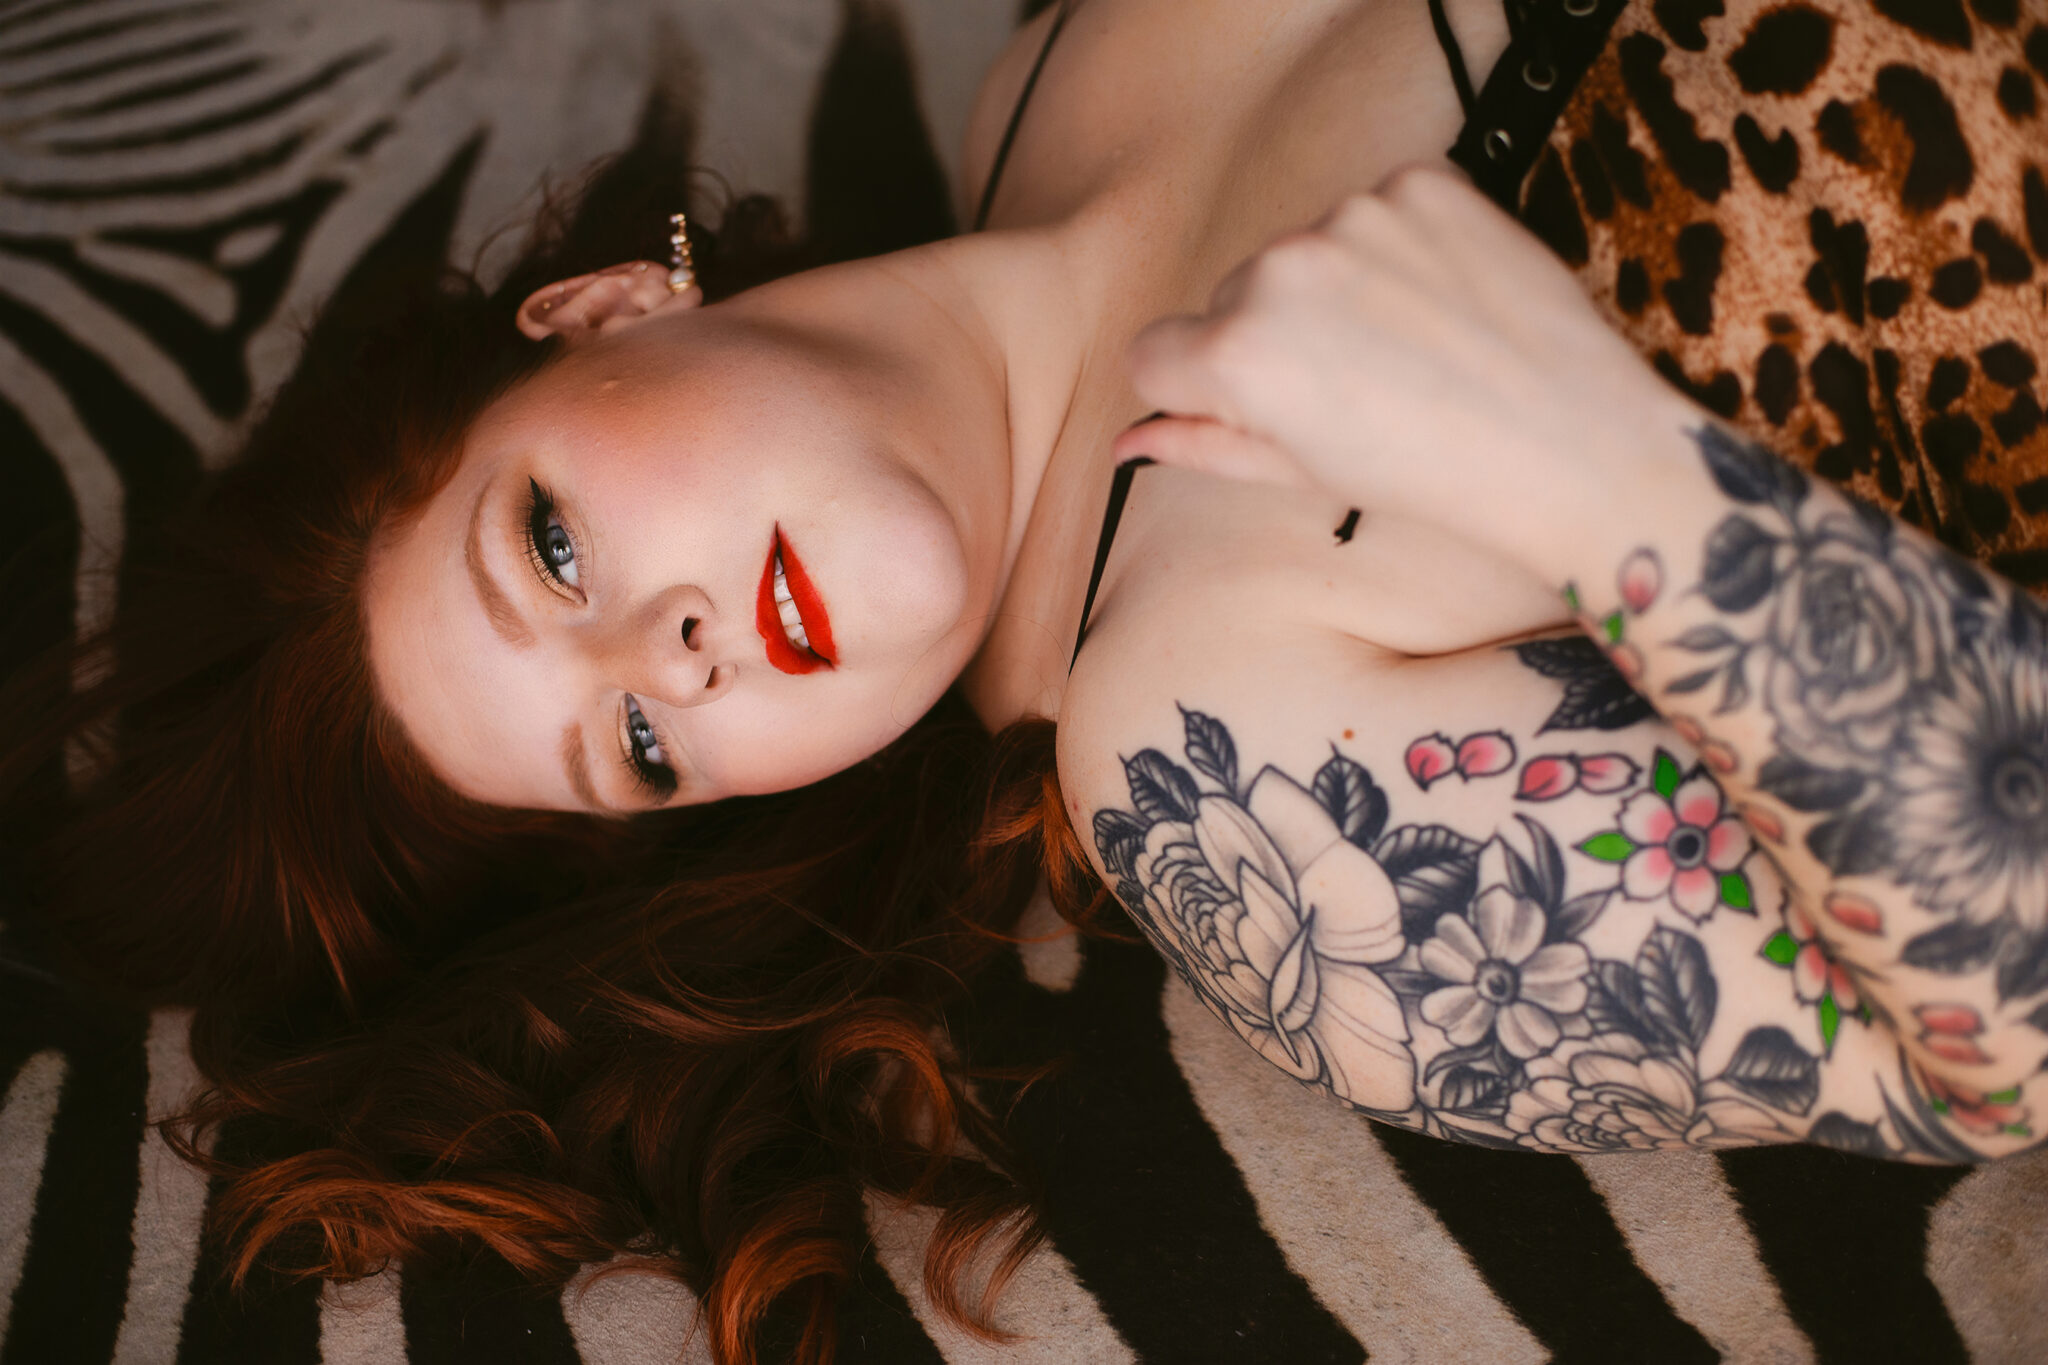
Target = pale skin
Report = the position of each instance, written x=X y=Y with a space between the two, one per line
x=492 y=663
x=1803 y=897
x=931 y=428
x=1638 y=960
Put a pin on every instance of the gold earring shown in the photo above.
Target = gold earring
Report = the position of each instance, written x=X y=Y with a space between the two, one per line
x=681 y=273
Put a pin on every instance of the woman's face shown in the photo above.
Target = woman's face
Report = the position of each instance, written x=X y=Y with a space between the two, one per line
x=692 y=558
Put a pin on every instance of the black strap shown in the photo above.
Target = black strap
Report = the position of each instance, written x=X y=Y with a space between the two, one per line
x=1551 y=44
x=995 y=171
x=1453 y=54
x=1119 y=490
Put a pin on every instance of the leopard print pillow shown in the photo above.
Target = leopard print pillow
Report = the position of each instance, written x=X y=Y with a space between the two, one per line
x=1828 y=222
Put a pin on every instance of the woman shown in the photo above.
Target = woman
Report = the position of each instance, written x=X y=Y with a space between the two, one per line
x=695 y=553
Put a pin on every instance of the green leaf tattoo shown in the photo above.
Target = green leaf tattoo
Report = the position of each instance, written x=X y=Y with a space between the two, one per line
x=1609 y=846
x=1666 y=775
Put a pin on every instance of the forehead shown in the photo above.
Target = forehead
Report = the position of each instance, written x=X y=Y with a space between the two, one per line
x=461 y=692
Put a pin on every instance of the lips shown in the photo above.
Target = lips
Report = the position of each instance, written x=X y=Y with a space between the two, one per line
x=783 y=653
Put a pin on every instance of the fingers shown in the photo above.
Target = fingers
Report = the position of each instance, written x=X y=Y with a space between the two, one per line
x=1445 y=208
x=1211 y=448
x=1386 y=243
x=1172 y=370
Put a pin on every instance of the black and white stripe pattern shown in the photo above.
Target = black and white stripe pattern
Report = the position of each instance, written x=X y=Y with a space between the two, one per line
x=1202 y=1209
x=182 y=183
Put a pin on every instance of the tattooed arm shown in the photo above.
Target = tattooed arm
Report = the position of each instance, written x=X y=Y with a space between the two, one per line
x=1482 y=902
x=1879 y=706
x=1875 y=711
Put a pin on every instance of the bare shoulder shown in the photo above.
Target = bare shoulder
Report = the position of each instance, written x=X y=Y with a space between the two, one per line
x=1257 y=595
x=1205 y=601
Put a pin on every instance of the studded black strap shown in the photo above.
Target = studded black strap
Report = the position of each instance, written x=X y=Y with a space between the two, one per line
x=1553 y=43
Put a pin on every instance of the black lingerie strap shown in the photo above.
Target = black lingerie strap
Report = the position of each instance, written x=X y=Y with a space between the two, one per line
x=1453 y=54
x=995 y=171
x=1119 y=490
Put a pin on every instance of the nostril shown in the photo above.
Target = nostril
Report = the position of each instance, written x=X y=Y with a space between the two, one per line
x=711 y=679
x=690 y=624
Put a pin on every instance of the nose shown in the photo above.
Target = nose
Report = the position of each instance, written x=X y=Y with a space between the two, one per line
x=667 y=649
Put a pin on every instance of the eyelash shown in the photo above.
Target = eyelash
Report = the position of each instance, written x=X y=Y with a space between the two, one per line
x=540 y=511
x=648 y=775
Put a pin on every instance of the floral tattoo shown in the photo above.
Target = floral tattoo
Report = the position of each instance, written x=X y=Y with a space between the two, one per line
x=1499 y=986
x=1429 y=978
x=1908 y=699
x=1904 y=695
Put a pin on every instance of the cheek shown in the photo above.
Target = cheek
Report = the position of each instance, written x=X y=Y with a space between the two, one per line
x=647 y=482
x=771 y=749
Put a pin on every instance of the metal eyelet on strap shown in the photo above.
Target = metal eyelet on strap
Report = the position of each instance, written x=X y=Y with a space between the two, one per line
x=1538 y=75
x=1497 y=143
x=1579 y=9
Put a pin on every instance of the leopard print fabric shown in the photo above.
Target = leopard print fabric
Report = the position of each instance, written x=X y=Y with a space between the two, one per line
x=1828 y=222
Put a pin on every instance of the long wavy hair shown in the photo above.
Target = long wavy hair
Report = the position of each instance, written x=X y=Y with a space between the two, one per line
x=694 y=1039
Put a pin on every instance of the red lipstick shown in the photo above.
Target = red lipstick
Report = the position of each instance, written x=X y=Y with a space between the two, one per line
x=782 y=652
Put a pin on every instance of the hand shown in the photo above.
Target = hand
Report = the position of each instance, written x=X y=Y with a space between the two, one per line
x=1418 y=352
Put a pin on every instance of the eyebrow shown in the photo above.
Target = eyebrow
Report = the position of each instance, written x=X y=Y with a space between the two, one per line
x=504 y=616
x=578 y=766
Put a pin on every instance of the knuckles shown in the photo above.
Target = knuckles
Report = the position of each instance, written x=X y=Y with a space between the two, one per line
x=1359 y=217
x=1302 y=262
x=1369 y=257
x=1232 y=350
x=1419 y=183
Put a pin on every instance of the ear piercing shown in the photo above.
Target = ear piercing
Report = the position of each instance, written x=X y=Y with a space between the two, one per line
x=681 y=273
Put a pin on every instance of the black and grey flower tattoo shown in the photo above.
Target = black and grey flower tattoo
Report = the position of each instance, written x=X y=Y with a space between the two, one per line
x=1835 y=685
x=1880 y=704
x=1908 y=701
x=1437 y=980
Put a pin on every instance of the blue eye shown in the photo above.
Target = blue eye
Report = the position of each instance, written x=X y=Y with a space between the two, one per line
x=554 y=554
x=642 y=732
x=649 y=764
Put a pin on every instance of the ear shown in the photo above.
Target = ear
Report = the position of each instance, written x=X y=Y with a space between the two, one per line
x=590 y=305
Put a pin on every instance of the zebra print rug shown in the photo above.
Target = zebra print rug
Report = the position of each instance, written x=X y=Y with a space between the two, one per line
x=182 y=184
x=1202 y=1209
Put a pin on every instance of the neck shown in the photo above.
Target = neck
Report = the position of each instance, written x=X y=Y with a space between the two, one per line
x=990 y=327
x=1043 y=319
x=974 y=347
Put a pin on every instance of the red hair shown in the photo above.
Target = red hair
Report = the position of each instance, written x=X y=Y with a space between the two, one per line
x=697 y=1038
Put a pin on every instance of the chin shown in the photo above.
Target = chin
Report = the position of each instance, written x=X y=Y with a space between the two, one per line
x=829 y=739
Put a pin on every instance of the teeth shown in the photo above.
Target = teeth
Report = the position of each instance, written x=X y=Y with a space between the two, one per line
x=785 y=607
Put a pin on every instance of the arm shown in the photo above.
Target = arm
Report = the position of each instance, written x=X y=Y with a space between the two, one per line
x=1455 y=893
x=1875 y=711
x=1878 y=708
